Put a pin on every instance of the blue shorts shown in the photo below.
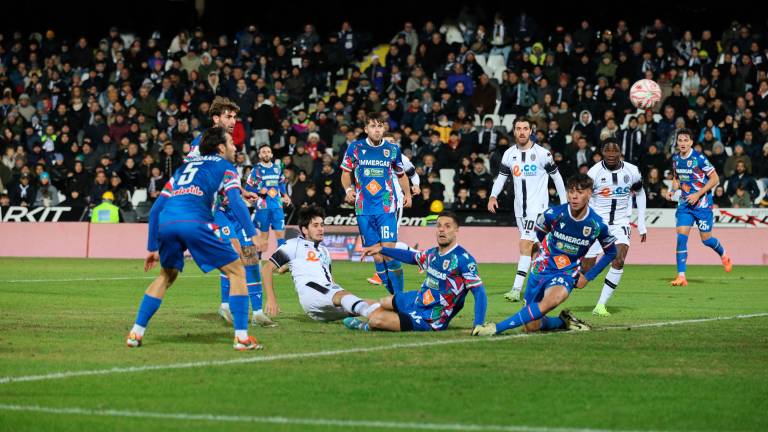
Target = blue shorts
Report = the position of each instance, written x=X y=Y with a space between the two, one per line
x=208 y=249
x=378 y=228
x=269 y=217
x=688 y=216
x=539 y=282
x=231 y=229
x=413 y=317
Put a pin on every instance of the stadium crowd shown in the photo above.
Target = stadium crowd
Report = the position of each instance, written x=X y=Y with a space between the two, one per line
x=80 y=117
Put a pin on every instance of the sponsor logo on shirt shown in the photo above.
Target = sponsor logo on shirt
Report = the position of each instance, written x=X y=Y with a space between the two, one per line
x=562 y=261
x=190 y=190
x=526 y=170
x=373 y=187
x=373 y=172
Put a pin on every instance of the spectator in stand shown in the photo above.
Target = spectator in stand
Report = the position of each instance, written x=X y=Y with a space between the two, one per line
x=47 y=194
x=741 y=198
x=462 y=203
x=23 y=193
x=720 y=199
x=742 y=179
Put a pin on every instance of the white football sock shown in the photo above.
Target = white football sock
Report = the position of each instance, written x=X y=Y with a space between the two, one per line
x=225 y=306
x=611 y=282
x=241 y=334
x=353 y=304
x=138 y=330
x=522 y=270
x=404 y=246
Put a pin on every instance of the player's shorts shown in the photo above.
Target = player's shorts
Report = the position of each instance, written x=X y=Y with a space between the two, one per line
x=231 y=229
x=622 y=234
x=413 y=317
x=377 y=228
x=317 y=302
x=701 y=217
x=527 y=227
x=269 y=217
x=208 y=248
x=539 y=282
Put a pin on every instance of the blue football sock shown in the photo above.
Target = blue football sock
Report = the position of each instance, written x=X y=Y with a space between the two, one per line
x=253 y=278
x=552 y=323
x=682 y=252
x=523 y=316
x=149 y=305
x=224 y=288
x=395 y=274
x=381 y=270
x=238 y=306
x=280 y=242
x=715 y=245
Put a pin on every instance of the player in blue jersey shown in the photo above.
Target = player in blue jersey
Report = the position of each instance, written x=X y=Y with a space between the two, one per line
x=267 y=180
x=451 y=272
x=694 y=180
x=566 y=232
x=372 y=161
x=181 y=219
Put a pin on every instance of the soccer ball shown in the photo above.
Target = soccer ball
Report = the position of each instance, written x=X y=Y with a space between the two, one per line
x=645 y=94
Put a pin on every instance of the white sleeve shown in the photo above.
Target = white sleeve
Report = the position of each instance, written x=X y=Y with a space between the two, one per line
x=504 y=171
x=284 y=254
x=641 y=201
x=410 y=171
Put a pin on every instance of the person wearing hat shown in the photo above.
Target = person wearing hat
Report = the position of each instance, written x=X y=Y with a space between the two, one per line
x=47 y=194
x=106 y=212
x=23 y=193
x=25 y=107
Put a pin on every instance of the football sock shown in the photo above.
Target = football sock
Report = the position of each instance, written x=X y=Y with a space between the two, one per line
x=381 y=270
x=354 y=304
x=238 y=305
x=280 y=242
x=523 y=316
x=611 y=282
x=715 y=245
x=224 y=289
x=522 y=270
x=395 y=273
x=149 y=305
x=682 y=252
x=253 y=280
x=552 y=323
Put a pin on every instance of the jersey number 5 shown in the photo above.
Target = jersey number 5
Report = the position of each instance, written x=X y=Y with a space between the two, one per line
x=189 y=173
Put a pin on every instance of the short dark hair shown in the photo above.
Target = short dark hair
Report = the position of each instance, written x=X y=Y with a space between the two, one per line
x=684 y=131
x=221 y=104
x=609 y=142
x=212 y=138
x=372 y=117
x=579 y=181
x=450 y=214
x=306 y=215
x=521 y=119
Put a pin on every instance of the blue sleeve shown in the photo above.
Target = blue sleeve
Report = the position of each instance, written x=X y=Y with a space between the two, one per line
x=403 y=255
x=602 y=263
x=543 y=223
x=481 y=304
x=241 y=211
x=154 y=216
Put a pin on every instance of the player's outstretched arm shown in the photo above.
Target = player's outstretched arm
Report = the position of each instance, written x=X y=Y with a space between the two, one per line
x=241 y=211
x=481 y=305
x=557 y=178
x=405 y=256
x=267 y=272
x=609 y=253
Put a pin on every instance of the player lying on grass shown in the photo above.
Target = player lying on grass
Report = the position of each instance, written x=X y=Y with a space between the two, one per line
x=310 y=265
x=181 y=219
x=451 y=272
x=566 y=233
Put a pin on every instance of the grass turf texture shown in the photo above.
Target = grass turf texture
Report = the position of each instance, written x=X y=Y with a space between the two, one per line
x=695 y=376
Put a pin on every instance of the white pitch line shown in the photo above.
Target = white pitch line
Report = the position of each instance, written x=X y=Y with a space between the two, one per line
x=94 y=279
x=217 y=418
x=329 y=353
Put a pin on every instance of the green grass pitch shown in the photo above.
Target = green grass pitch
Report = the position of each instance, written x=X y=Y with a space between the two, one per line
x=689 y=372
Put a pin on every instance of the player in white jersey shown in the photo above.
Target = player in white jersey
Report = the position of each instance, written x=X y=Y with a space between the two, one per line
x=615 y=184
x=310 y=265
x=531 y=167
x=410 y=171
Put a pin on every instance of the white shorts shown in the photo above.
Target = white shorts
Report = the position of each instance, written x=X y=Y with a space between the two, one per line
x=527 y=227
x=621 y=232
x=317 y=302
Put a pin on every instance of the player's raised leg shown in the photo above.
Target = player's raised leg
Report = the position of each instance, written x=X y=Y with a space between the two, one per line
x=704 y=222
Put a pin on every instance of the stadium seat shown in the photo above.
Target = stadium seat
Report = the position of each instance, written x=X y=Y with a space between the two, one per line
x=497 y=66
x=446 y=178
x=138 y=196
x=508 y=121
x=483 y=64
x=496 y=119
x=478 y=123
x=142 y=211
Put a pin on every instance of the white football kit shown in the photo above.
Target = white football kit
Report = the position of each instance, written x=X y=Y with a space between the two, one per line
x=410 y=171
x=530 y=170
x=612 y=200
x=310 y=266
